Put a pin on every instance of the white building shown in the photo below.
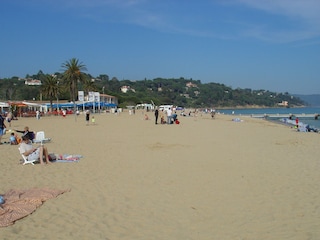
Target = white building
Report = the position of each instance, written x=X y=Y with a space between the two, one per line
x=32 y=82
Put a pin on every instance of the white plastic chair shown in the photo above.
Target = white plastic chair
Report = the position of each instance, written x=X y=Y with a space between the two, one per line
x=40 y=138
x=25 y=159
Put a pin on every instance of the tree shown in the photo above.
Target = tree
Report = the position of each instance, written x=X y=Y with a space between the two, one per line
x=104 y=77
x=72 y=75
x=50 y=88
x=89 y=85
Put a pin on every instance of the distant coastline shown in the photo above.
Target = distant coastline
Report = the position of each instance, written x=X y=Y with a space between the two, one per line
x=258 y=107
x=281 y=112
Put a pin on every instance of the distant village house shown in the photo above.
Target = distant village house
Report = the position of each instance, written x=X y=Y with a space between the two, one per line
x=32 y=82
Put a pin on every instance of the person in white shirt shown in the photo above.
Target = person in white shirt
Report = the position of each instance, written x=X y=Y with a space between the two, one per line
x=37 y=115
x=32 y=153
x=169 y=113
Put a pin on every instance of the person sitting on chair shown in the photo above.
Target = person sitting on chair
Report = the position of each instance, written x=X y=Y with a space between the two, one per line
x=27 y=149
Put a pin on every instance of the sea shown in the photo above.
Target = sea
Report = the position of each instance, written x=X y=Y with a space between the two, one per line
x=283 y=111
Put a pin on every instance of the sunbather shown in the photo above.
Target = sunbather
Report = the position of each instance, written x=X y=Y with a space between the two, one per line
x=32 y=153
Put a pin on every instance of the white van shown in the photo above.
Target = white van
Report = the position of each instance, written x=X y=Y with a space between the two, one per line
x=165 y=107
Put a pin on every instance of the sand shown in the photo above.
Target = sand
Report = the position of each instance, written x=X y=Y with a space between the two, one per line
x=202 y=179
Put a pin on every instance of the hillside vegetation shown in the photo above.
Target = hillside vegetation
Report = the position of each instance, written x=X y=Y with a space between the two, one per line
x=180 y=92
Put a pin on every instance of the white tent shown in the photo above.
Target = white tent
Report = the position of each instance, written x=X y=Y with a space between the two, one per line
x=41 y=107
x=3 y=105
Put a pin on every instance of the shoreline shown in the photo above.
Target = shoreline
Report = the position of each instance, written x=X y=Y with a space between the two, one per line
x=257 y=107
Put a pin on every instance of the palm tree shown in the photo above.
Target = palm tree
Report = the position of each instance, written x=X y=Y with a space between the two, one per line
x=72 y=75
x=50 y=88
x=89 y=85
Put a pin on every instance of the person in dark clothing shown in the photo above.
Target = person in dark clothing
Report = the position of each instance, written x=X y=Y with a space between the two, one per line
x=2 y=127
x=87 y=117
x=174 y=116
x=156 y=114
x=311 y=129
x=27 y=132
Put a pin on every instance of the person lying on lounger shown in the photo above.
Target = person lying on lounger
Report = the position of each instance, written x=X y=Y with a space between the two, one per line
x=32 y=153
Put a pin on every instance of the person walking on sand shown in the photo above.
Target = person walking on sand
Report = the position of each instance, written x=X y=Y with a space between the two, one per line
x=156 y=114
x=2 y=127
x=297 y=122
x=37 y=114
x=9 y=118
x=87 y=116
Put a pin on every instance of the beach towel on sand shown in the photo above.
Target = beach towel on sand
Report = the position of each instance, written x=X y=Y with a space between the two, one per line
x=64 y=157
x=20 y=203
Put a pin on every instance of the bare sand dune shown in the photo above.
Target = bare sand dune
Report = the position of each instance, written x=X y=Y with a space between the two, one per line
x=202 y=179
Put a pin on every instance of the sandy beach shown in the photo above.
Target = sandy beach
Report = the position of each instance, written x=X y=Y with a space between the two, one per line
x=203 y=179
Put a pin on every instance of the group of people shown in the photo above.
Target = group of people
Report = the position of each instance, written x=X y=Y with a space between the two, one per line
x=93 y=120
x=27 y=149
x=26 y=143
x=33 y=153
x=171 y=117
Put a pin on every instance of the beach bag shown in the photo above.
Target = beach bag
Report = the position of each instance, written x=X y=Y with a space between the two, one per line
x=52 y=157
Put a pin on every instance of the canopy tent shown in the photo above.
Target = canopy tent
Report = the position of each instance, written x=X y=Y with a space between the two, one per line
x=3 y=105
x=21 y=108
x=26 y=104
x=17 y=104
x=60 y=105
x=96 y=104
x=109 y=105
x=81 y=105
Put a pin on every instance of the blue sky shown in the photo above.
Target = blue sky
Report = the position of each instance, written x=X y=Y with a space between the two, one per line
x=257 y=44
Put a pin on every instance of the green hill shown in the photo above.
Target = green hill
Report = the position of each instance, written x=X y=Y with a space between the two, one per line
x=181 y=92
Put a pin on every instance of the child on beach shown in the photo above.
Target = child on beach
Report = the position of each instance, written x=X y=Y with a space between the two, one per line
x=13 y=139
x=162 y=120
x=93 y=120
